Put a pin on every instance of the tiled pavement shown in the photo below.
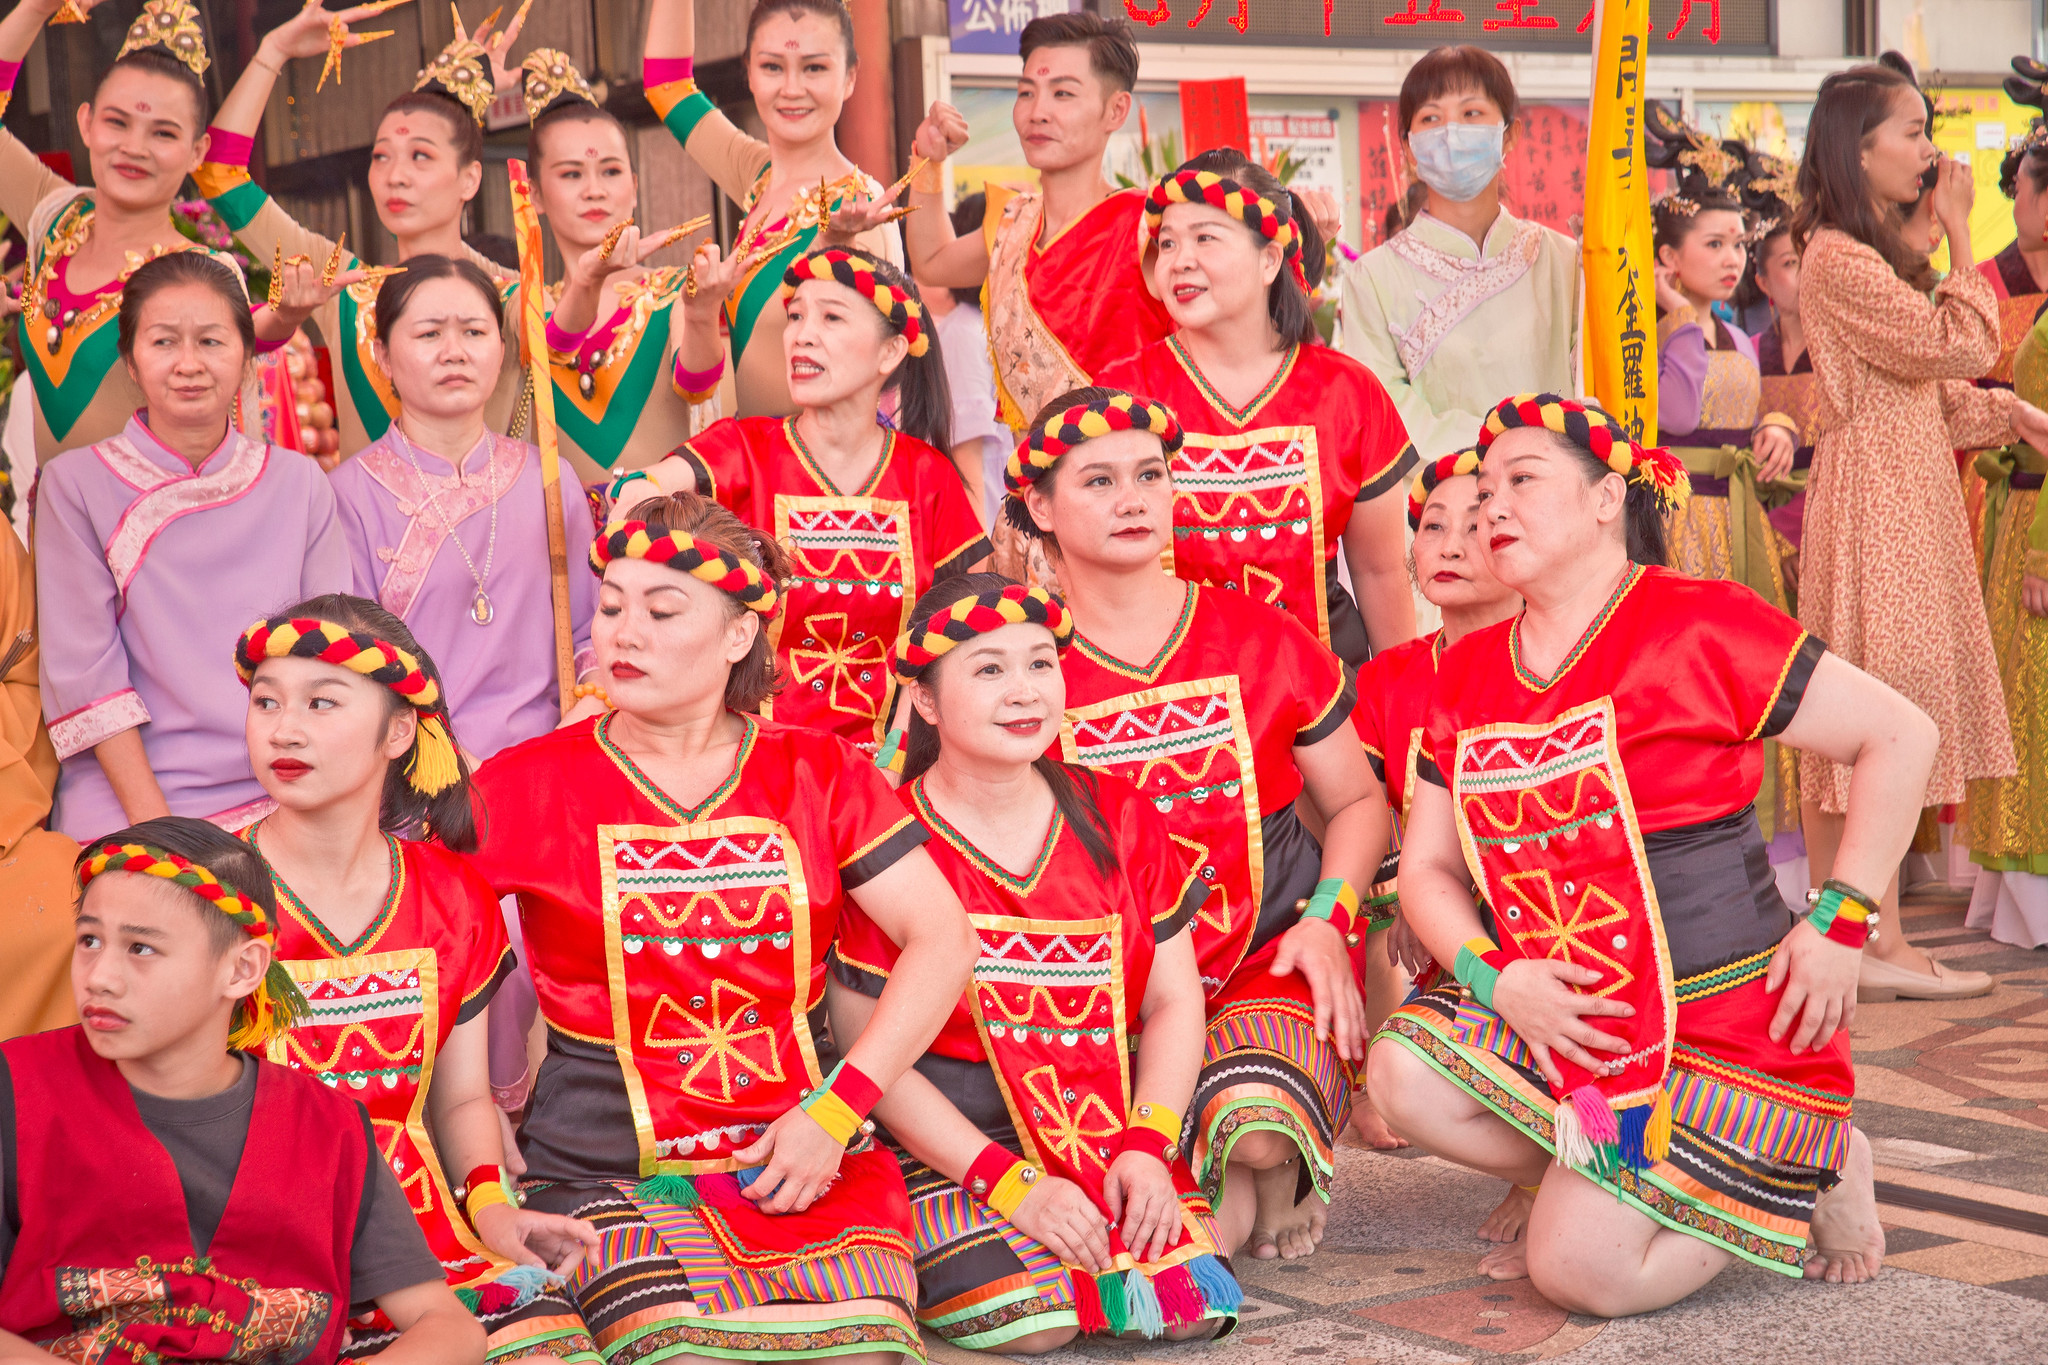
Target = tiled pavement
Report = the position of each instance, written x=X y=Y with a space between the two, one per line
x=1955 y=1100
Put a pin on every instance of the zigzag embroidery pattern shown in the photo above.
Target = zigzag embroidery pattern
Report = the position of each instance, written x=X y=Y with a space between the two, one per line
x=1220 y=469
x=338 y=1001
x=1573 y=743
x=409 y=1054
x=665 y=917
x=1570 y=815
x=1027 y=1008
x=1128 y=736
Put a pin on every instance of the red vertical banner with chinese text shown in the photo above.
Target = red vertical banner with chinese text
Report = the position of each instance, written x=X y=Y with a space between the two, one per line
x=1620 y=319
x=1214 y=114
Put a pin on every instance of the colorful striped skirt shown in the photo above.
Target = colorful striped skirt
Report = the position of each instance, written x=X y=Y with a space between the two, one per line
x=982 y=1283
x=525 y=1313
x=1752 y=1149
x=694 y=1274
x=1264 y=1069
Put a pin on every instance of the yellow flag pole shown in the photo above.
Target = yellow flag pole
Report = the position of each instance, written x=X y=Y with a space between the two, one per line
x=1620 y=320
x=534 y=342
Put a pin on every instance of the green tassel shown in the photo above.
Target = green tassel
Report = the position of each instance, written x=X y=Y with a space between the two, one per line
x=1110 y=1289
x=470 y=1298
x=678 y=1190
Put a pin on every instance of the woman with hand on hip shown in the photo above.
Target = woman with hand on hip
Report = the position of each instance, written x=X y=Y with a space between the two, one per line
x=1632 y=996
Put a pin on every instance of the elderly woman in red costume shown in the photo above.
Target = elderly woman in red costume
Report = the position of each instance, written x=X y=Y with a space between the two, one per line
x=1633 y=998
x=1042 y=1143
x=679 y=886
x=398 y=947
x=1223 y=749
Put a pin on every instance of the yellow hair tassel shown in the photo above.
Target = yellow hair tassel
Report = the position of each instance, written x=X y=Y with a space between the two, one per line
x=273 y=1008
x=1657 y=1134
x=434 y=767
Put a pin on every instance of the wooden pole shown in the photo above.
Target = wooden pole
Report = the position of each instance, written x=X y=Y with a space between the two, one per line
x=534 y=338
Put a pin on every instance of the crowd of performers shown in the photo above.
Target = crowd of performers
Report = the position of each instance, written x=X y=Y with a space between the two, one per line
x=839 y=914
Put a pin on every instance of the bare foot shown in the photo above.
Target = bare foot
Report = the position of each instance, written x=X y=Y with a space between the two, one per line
x=1509 y=1217
x=1847 y=1241
x=1510 y=1262
x=1283 y=1228
x=1368 y=1130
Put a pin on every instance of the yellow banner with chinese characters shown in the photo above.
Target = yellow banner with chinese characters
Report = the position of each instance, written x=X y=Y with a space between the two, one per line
x=1620 y=322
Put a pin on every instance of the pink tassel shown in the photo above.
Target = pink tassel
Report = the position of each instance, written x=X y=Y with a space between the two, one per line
x=719 y=1190
x=1596 y=1116
x=1180 y=1302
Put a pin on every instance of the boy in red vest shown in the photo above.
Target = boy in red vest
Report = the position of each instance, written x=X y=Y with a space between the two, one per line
x=163 y=1193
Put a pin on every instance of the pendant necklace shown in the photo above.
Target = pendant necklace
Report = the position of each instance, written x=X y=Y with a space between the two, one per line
x=480 y=609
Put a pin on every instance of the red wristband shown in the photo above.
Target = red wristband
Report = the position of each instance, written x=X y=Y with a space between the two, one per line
x=482 y=1174
x=1149 y=1141
x=852 y=1085
x=989 y=1168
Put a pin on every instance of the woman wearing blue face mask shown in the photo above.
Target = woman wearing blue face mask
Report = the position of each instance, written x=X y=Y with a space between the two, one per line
x=1468 y=302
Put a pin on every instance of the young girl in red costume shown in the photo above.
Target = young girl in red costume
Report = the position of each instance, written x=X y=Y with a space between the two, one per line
x=1394 y=687
x=1223 y=751
x=1068 y=875
x=1292 y=450
x=870 y=515
x=1638 y=1001
x=398 y=946
x=679 y=887
x=168 y=1194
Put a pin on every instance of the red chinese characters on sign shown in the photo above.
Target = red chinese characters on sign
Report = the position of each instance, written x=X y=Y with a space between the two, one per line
x=1510 y=15
x=1518 y=19
x=1437 y=15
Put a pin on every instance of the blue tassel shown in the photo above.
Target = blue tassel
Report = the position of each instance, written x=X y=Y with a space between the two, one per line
x=525 y=1281
x=1635 y=1126
x=1218 y=1285
x=749 y=1175
x=1142 y=1302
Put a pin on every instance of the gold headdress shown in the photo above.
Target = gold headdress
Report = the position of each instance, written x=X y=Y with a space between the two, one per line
x=459 y=69
x=1707 y=156
x=550 y=74
x=172 y=25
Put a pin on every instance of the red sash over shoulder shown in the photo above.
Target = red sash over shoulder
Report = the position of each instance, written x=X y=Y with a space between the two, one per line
x=104 y=1268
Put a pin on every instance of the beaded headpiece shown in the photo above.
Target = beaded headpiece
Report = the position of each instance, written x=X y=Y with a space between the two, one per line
x=960 y=621
x=1054 y=434
x=1435 y=472
x=702 y=560
x=460 y=71
x=1272 y=222
x=276 y=1004
x=1592 y=430
x=172 y=25
x=857 y=272
x=433 y=767
x=550 y=75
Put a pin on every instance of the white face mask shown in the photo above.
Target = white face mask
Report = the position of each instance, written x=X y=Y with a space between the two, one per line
x=1458 y=160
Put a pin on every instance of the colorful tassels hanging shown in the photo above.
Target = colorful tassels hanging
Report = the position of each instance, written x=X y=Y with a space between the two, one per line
x=1143 y=1305
x=1109 y=1291
x=1583 y=1125
x=1087 y=1305
x=1180 y=1299
x=1219 y=1287
x=676 y=1190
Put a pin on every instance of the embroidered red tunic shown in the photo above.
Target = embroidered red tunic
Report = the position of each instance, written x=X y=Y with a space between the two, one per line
x=1394 y=689
x=1263 y=493
x=382 y=1008
x=1621 y=745
x=861 y=559
x=103 y=1269
x=1211 y=744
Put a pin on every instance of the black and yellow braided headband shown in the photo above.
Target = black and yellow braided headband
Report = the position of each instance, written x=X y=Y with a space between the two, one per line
x=960 y=621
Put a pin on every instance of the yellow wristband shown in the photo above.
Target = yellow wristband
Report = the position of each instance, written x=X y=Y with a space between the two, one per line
x=1160 y=1120
x=482 y=1197
x=1011 y=1189
x=834 y=1115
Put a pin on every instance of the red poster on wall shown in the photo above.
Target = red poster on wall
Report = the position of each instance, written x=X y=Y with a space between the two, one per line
x=1214 y=114
x=1544 y=178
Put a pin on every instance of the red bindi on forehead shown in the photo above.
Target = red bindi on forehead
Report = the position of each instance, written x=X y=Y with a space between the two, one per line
x=404 y=131
x=590 y=152
x=1045 y=71
x=143 y=105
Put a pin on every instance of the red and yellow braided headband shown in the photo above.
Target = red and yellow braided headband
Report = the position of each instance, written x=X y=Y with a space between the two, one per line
x=432 y=767
x=700 y=559
x=1054 y=434
x=1594 y=431
x=1272 y=222
x=858 y=273
x=958 y=622
x=1435 y=472
x=276 y=1004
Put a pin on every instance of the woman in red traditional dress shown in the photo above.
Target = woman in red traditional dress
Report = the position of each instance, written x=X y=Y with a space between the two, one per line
x=1292 y=449
x=398 y=947
x=679 y=886
x=1223 y=750
x=1632 y=994
x=870 y=515
x=1041 y=1140
x=1393 y=697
